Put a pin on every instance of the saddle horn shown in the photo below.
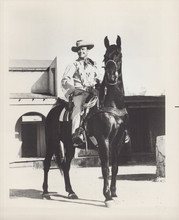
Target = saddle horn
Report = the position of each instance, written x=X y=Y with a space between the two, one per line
x=106 y=42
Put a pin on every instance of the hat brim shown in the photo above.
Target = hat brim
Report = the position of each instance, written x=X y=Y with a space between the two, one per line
x=89 y=47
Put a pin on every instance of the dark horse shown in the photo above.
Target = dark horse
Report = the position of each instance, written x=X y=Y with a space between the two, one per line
x=107 y=124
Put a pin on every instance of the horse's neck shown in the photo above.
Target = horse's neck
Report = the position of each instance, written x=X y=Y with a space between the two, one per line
x=113 y=96
x=120 y=81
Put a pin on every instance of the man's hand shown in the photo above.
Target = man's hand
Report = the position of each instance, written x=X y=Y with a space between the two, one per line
x=92 y=90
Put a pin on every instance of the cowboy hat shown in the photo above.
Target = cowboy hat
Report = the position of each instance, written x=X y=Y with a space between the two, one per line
x=81 y=43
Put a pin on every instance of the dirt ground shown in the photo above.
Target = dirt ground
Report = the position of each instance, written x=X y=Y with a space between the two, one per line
x=139 y=195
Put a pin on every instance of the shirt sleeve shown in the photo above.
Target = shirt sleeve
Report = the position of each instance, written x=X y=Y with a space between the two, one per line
x=67 y=79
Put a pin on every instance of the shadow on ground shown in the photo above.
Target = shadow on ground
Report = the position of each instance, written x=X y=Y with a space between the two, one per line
x=135 y=177
x=53 y=196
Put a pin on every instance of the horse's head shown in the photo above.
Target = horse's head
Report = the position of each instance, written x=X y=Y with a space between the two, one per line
x=112 y=60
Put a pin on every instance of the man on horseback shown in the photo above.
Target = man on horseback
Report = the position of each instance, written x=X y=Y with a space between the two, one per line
x=78 y=80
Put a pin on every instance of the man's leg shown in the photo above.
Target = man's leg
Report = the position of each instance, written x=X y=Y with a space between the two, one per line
x=77 y=100
x=76 y=115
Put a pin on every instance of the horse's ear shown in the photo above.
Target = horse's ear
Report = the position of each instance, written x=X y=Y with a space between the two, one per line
x=118 y=41
x=106 y=42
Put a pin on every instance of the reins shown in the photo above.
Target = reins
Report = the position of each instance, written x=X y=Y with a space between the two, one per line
x=91 y=103
x=110 y=84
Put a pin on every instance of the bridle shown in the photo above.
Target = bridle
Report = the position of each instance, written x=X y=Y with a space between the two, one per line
x=106 y=82
x=112 y=62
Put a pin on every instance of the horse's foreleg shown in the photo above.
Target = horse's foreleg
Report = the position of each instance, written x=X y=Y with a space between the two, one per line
x=116 y=148
x=114 y=174
x=46 y=163
x=104 y=157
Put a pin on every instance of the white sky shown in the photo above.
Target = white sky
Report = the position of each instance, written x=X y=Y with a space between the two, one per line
x=43 y=29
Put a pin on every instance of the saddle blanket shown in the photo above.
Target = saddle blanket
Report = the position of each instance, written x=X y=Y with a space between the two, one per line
x=64 y=115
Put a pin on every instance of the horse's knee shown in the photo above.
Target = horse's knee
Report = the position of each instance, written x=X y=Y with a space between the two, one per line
x=114 y=169
x=105 y=171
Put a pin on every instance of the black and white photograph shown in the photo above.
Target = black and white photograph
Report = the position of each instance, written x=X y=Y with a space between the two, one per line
x=90 y=109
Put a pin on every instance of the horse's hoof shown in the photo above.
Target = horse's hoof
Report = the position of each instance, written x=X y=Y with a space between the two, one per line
x=46 y=196
x=72 y=196
x=115 y=198
x=110 y=203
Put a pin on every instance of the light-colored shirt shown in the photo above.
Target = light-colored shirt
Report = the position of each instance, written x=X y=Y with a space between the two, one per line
x=81 y=74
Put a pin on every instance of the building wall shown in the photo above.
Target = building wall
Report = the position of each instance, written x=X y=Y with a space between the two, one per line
x=33 y=92
x=26 y=79
x=145 y=125
x=21 y=129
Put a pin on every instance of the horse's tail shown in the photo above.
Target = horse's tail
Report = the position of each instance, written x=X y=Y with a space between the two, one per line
x=52 y=133
x=60 y=157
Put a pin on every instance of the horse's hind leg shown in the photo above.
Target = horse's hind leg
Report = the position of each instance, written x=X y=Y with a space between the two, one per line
x=46 y=162
x=66 y=168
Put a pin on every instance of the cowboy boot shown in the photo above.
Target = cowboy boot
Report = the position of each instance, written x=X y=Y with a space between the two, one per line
x=78 y=137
